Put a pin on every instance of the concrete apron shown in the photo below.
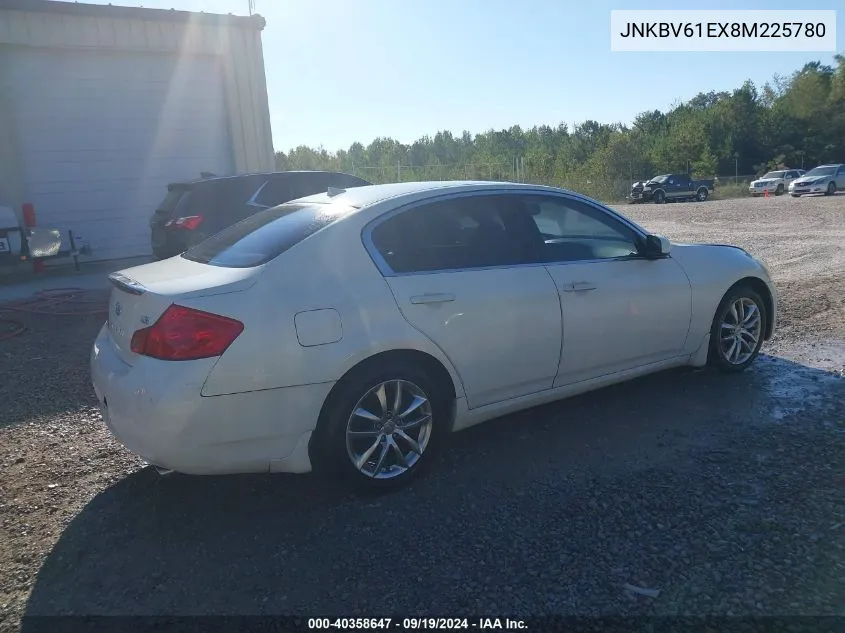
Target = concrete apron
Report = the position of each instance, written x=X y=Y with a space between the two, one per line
x=91 y=276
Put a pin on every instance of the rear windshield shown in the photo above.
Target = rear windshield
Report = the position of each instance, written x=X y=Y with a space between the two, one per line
x=171 y=199
x=265 y=235
x=197 y=200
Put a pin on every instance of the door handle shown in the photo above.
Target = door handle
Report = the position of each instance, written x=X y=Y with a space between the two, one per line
x=579 y=286
x=432 y=298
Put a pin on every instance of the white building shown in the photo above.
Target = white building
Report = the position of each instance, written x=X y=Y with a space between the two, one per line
x=102 y=106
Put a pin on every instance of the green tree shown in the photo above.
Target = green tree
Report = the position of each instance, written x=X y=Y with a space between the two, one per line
x=790 y=119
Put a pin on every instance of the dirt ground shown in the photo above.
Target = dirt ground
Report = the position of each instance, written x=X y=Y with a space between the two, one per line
x=724 y=494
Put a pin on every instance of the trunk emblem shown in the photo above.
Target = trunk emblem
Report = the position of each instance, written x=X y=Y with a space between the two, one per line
x=117 y=309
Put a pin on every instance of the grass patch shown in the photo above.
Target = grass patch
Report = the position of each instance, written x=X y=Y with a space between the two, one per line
x=731 y=190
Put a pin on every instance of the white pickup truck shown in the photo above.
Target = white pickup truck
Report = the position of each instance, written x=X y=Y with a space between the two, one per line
x=774 y=182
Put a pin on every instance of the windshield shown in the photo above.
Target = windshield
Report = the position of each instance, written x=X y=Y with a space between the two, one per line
x=660 y=179
x=821 y=171
x=774 y=174
x=265 y=235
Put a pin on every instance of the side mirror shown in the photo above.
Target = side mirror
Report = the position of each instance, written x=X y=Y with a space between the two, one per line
x=657 y=246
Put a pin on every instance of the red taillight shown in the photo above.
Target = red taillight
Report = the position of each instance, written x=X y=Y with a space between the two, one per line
x=189 y=222
x=186 y=334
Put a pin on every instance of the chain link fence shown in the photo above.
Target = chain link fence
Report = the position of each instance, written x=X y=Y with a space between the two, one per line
x=603 y=188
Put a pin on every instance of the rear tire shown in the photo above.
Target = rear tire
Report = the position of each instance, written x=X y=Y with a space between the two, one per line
x=702 y=194
x=736 y=334
x=779 y=190
x=795 y=195
x=363 y=427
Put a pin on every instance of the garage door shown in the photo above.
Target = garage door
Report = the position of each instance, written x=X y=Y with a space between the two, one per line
x=103 y=133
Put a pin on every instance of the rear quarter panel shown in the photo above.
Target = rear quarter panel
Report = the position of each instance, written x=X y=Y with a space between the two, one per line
x=328 y=273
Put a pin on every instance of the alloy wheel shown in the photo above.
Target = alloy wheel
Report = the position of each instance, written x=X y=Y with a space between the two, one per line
x=740 y=331
x=389 y=429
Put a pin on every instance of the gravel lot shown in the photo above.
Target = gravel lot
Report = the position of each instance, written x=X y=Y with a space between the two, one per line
x=723 y=493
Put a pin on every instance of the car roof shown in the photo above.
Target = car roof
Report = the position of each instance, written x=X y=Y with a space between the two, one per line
x=360 y=197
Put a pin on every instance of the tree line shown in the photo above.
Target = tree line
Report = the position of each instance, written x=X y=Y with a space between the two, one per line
x=791 y=121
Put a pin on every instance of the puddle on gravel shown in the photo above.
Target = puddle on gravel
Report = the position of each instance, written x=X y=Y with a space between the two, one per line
x=805 y=376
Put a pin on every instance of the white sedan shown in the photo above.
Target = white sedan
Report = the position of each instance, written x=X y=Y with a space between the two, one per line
x=351 y=331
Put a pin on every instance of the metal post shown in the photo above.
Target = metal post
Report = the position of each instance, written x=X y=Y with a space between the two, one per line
x=73 y=250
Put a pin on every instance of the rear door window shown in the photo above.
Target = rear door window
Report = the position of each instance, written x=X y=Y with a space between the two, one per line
x=265 y=235
x=457 y=234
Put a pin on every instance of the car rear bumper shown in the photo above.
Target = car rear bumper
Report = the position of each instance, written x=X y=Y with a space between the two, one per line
x=154 y=408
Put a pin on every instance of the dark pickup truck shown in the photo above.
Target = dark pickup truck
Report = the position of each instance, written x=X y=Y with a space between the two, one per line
x=674 y=187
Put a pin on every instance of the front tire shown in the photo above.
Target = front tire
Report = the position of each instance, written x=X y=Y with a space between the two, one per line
x=831 y=189
x=736 y=334
x=659 y=197
x=795 y=195
x=380 y=427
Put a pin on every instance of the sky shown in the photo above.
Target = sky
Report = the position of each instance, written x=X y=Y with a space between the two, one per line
x=340 y=71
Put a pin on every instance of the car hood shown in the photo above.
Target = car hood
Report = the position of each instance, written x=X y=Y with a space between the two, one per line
x=765 y=181
x=808 y=179
x=707 y=246
x=710 y=256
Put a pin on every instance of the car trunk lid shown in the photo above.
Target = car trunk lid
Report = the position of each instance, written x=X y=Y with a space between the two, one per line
x=141 y=294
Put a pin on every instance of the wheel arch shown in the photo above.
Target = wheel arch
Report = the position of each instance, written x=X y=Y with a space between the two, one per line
x=430 y=364
x=318 y=452
x=761 y=288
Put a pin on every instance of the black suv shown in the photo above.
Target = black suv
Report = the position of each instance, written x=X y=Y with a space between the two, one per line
x=192 y=211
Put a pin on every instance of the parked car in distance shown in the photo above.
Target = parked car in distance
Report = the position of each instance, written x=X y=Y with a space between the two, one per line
x=775 y=182
x=351 y=332
x=671 y=187
x=192 y=211
x=824 y=179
